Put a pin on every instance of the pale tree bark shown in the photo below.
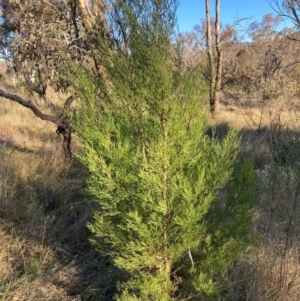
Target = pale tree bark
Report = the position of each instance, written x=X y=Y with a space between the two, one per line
x=211 y=64
x=219 y=62
x=91 y=12
x=214 y=53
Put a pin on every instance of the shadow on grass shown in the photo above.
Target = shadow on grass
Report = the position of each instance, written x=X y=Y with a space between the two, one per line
x=276 y=144
x=7 y=144
x=273 y=267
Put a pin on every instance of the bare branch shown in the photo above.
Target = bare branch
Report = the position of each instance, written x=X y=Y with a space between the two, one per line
x=288 y=9
x=28 y=104
x=63 y=124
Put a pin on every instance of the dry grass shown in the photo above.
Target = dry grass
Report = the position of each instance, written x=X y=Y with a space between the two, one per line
x=276 y=261
x=28 y=270
x=270 y=137
x=45 y=252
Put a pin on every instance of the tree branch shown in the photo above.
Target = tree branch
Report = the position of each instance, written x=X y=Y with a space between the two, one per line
x=28 y=104
x=63 y=124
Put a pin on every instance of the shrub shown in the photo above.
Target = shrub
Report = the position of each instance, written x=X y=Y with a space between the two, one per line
x=173 y=202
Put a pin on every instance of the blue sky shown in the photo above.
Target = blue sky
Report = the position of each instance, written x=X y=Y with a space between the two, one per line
x=190 y=12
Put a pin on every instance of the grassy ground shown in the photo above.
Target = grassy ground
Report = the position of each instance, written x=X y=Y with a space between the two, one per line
x=45 y=252
x=270 y=137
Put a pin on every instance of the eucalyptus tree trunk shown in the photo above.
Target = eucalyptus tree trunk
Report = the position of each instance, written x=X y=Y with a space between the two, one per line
x=91 y=13
x=214 y=53
x=219 y=61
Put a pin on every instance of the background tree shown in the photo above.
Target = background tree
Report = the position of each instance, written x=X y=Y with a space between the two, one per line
x=289 y=9
x=38 y=39
x=173 y=202
x=266 y=66
x=214 y=56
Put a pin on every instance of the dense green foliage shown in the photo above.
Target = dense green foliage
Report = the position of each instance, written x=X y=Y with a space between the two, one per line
x=173 y=202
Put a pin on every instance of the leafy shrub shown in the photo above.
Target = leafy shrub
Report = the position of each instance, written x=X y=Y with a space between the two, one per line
x=173 y=202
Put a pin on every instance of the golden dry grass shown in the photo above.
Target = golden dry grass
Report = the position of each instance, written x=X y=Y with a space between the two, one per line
x=270 y=137
x=30 y=271
x=259 y=114
x=32 y=177
x=45 y=252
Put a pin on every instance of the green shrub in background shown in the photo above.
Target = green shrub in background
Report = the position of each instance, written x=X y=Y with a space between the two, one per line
x=173 y=203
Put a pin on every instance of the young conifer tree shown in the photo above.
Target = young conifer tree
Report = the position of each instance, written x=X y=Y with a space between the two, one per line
x=174 y=202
